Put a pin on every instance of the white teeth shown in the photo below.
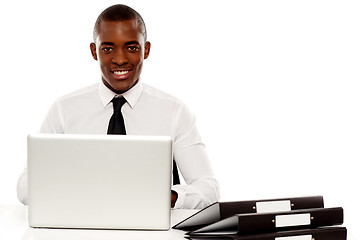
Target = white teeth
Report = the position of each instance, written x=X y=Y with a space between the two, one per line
x=120 y=72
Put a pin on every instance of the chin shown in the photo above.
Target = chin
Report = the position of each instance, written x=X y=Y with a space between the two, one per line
x=120 y=88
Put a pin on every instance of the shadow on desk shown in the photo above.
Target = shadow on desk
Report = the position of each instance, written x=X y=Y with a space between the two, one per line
x=80 y=234
x=90 y=234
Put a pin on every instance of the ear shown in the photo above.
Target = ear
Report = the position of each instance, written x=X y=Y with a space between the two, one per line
x=93 y=50
x=146 y=50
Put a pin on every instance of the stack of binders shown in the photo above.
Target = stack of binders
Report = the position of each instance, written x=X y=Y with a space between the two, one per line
x=301 y=218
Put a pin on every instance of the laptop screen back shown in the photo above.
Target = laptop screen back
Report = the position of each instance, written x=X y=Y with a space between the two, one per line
x=99 y=181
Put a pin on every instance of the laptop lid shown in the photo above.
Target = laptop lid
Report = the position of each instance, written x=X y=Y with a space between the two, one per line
x=99 y=181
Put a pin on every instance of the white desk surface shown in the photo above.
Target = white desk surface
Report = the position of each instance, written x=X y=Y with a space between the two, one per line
x=14 y=226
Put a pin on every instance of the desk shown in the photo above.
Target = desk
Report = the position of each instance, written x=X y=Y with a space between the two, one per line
x=14 y=226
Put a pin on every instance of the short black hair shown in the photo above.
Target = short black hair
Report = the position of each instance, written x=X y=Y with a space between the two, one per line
x=118 y=13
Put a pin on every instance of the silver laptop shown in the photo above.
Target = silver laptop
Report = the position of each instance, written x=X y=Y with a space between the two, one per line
x=99 y=181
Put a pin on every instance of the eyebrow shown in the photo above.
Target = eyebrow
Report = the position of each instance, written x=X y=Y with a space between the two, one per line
x=107 y=43
x=127 y=43
x=132 y=42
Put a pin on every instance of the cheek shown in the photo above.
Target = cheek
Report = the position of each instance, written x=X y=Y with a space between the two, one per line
x=137 y=62
x=139 y=69
x=103 y=62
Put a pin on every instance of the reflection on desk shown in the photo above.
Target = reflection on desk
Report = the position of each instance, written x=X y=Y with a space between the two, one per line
x=14 y=226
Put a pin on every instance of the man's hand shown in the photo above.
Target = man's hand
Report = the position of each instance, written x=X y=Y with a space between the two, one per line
x=174 y=197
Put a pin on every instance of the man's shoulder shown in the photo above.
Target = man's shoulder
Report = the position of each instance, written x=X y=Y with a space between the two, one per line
x=157 y=94
x=82 y=93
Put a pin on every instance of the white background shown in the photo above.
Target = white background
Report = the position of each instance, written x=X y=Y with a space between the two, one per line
x=275 y=86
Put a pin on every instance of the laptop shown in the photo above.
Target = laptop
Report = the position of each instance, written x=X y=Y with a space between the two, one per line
x=99 y=181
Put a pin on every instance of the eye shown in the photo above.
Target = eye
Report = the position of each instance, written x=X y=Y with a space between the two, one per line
x=106 y=49
x=133 y=48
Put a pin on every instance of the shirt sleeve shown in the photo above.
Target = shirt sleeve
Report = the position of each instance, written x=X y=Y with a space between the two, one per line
x=201 y=188
x=54 y=120
x=53 y=123
x=22 y=187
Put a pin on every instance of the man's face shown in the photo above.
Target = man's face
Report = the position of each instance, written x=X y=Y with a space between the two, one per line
x=120 y=48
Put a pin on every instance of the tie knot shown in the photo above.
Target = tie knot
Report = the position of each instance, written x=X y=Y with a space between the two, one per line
x=118 y=102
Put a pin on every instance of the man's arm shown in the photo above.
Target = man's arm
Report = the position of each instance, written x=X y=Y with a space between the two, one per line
x=201 y=188
x=22 y=187
x=53 y=123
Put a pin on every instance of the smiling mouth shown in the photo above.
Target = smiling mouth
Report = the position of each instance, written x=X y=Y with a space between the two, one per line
x=120 y=73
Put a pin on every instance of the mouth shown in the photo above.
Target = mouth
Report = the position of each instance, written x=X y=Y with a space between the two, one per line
x=121 y=74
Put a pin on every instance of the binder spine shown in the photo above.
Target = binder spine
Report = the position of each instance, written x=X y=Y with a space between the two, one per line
x=228 y=209
x=269 y=222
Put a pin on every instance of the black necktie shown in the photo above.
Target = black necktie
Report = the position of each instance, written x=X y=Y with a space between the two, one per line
x=116 y=122
x=176 y=180
x=116 y=126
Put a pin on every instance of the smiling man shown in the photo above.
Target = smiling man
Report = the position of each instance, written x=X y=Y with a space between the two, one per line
x=120 y=47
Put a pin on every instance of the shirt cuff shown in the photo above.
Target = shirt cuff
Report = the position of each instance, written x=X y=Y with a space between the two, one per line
x=181 y=196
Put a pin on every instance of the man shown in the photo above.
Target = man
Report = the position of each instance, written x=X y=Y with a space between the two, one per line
x=120 y=46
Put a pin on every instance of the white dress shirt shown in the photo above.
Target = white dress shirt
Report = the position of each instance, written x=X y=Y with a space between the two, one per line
x=148 y=111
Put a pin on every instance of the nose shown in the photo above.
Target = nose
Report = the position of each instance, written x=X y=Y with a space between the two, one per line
x=120 y=57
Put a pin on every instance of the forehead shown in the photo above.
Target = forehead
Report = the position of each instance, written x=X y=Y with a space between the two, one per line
x=122 y=31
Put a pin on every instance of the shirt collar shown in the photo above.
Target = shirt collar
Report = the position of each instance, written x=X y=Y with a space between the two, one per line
x=132 y=95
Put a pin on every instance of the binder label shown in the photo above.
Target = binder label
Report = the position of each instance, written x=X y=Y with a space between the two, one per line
x=273 y=206
x=293 y=220
x=301 y=237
